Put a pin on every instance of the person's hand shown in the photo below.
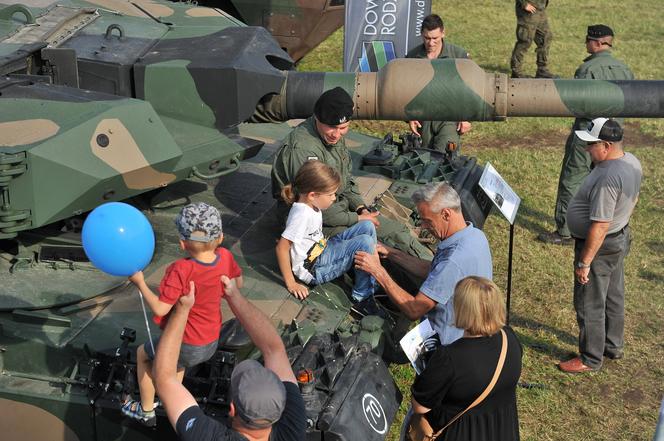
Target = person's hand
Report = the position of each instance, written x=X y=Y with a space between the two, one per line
x=186 y=301
x=530 y=8
x=415 y=127
x=368 y=262
x=230 y=287
x=463 y=127
x=298 y=290
x=137 y=278
x=382 y=250
x=581 y=275
x=370 y=216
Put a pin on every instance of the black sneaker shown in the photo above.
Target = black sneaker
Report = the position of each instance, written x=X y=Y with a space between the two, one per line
x=555 y=238
x=367 y=307
x=520 y=75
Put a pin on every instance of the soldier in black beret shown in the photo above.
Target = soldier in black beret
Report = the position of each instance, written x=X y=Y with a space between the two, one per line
x=322 y=137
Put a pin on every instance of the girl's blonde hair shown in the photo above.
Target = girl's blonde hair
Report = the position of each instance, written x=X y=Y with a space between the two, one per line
x=478 y=306
x=313 y=176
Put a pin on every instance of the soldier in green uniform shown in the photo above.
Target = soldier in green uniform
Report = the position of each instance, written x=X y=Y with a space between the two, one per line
x=438 y=135
x=532 y=24
x=600 y=65
x=321 y=137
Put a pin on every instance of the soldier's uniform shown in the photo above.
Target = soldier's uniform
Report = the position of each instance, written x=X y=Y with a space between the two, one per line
x=438 y=134
x=304 y=144
x=529 y=28
x=576 y=162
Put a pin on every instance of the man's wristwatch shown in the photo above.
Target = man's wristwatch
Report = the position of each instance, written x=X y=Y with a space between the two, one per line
x=580 y=265
x=360 y=209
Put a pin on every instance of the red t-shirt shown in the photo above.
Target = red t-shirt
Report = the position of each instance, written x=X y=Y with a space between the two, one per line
x=204 y=321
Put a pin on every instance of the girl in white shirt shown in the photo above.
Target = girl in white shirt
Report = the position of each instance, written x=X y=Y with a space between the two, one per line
x=303 y=252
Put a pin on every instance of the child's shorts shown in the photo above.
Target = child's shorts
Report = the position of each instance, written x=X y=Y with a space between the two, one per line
x=190 y=355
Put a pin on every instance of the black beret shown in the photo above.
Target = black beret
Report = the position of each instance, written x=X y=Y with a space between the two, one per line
x=599 y=31
x=334 y=107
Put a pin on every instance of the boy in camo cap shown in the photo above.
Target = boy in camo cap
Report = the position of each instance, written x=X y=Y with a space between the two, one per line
x=199 y=228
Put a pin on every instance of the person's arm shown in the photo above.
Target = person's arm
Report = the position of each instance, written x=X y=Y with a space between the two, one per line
x=594 y=239
x=261 y=331
x=175 y=397
x=418 y=408
x=158 y=307
x=338 y=216
x=414 y=265
x=463 y=127
x=283 y=258
x=415 y=127
x=413 y=307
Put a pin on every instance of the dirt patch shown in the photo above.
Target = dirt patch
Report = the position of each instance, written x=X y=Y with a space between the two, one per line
x=633 y=397
x=555 y=139
x=552 y=139
x=546 y=139
x=605 y=391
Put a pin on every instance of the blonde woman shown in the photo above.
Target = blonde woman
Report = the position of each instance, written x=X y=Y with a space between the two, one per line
x=459 y=374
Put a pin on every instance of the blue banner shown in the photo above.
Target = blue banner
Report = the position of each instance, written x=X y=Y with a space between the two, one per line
x=377 y=31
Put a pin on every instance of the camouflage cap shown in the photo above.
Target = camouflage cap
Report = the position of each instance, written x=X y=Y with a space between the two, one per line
x=199 y=222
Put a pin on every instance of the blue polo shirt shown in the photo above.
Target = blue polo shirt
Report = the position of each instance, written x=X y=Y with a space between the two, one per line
x=465 y=253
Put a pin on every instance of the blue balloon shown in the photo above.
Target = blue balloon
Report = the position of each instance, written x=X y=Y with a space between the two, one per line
x=118 y=239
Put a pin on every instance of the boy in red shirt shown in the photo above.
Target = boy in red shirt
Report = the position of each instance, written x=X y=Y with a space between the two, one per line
x=199 y=226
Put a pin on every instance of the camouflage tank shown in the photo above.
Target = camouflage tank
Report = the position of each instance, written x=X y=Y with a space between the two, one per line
x=157 y=104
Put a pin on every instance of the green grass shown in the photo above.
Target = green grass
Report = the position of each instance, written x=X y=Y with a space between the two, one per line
x=621 y=401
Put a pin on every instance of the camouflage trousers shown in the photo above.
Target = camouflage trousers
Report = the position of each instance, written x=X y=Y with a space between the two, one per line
x=576 y=166
x=531 y=28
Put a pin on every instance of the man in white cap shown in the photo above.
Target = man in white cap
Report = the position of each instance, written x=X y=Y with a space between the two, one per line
x=265 y=400
x=598 y=218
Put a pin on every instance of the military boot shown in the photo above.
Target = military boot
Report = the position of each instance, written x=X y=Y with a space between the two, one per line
x=545 y=73
x=519 y=75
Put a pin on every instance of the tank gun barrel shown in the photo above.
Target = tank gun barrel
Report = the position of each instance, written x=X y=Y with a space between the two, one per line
x=454 y=90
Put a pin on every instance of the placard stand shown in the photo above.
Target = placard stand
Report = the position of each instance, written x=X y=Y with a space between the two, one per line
x=507 y=201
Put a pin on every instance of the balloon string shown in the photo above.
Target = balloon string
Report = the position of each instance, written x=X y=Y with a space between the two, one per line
x=147 y=325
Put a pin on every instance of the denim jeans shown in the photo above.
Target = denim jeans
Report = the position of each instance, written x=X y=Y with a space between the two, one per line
x=338 y=256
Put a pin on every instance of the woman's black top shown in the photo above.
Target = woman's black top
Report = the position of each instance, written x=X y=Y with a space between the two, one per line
x=457 y=374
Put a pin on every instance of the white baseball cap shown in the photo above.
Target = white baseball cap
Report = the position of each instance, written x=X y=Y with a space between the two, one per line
x=601 y=129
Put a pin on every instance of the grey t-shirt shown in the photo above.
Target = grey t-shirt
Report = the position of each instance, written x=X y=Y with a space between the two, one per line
x=608 y=194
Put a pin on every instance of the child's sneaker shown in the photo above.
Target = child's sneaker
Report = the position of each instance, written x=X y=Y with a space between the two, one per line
x=368 y=306
x=134 y=410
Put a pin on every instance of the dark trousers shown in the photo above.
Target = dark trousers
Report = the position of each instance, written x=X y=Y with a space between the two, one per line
x=575 y=168
x=600 y=304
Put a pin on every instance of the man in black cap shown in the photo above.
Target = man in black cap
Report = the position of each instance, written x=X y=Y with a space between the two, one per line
x=321 y=137
x=600 y=65
x=598 y=218
x=265 y=400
